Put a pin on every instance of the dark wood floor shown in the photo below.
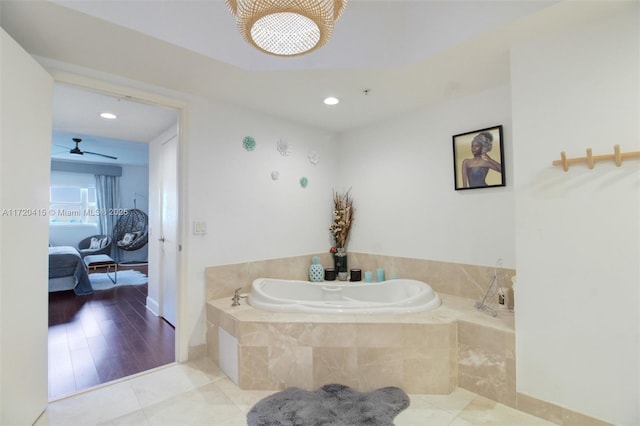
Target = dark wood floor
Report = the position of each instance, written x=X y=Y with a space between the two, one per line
x=102 y=337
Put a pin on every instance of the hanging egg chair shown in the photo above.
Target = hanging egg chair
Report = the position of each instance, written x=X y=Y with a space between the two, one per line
x=131 y=231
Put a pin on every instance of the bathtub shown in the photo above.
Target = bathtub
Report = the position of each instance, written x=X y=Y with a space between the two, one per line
x=392 y=296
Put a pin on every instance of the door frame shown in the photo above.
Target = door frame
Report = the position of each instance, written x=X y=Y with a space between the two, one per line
x=27 y=96
x=95 y=85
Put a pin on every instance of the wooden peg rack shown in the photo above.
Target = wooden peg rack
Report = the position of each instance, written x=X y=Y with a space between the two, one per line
x=591 y=159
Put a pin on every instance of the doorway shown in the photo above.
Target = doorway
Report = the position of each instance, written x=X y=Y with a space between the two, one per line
x=115 y=332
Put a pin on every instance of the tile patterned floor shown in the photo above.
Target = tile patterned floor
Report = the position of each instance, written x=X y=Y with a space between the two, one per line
x=198 y=393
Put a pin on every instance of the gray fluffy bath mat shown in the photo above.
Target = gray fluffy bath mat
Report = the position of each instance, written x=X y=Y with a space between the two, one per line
x=331 y=405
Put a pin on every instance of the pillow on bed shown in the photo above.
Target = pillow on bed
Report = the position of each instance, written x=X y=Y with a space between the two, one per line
x=95 y=243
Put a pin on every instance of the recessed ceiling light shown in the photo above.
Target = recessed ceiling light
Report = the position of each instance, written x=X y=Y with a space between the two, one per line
x=108 y=116
x=331 y=100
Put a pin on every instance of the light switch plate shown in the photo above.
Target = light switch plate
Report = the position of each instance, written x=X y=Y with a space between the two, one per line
x=199 y=228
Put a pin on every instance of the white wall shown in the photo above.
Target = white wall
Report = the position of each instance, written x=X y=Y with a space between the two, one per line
x=248 y=215
x=134 y=184
x=401 y=177
x=577 y=233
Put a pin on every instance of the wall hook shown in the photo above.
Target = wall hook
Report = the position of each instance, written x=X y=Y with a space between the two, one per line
x=591 y=159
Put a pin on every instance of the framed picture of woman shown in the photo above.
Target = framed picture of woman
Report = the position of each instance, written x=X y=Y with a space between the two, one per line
x=478 y=159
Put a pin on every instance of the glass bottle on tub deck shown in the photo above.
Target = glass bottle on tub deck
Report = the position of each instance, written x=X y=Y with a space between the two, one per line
x=340 y=263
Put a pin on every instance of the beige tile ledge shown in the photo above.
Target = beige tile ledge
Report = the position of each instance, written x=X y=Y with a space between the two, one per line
x=453 y=309
x=465 y=310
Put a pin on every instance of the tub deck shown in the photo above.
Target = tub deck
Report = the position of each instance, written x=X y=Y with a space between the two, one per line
x=425 y=353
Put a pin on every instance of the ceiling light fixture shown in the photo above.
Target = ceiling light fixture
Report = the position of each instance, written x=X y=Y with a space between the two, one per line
x=331 y=100
x=108 y=115
x=286 y=27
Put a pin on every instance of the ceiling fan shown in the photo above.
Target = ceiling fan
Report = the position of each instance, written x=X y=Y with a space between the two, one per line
x=78 y=151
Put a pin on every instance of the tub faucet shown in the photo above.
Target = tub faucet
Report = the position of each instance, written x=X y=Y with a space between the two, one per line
x=236 y=297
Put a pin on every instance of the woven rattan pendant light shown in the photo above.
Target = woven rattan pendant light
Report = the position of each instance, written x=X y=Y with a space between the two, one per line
x=286 y=27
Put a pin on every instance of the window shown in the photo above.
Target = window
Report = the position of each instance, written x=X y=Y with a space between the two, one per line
x=73 y=201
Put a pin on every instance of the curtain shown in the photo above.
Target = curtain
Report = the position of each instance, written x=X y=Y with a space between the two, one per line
x=108 y=200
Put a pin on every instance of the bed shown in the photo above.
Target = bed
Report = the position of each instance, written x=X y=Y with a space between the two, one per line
x=67 y=271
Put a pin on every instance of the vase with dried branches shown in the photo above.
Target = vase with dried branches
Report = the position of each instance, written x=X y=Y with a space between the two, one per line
x=343 y=215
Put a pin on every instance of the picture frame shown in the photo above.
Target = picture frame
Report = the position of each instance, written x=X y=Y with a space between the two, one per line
x=478 y=159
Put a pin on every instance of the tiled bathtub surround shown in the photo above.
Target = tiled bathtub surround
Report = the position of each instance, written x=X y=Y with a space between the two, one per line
x=276 y=350
x=281 y=349
x=417 y=352
x=457 y=279
x=486 y=361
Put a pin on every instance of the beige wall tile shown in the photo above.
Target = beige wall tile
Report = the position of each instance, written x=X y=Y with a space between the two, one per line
x=539 y=408
x=228 y=323
x=454 y=375
x=253 y=368
x=487 y=339
x=291 y=366
x=380 y=335
x=571 y=418
x=483 y=366
x=289 y=334
x=330 y=335
x=221 y=281
x=212 y=342
x=252 y=333
x=510 y=396
x=335 y=365
x=426 y=374
x=483 y=411
x=213 y=314
x=427 y=337
x=197 y=351
x=380 y=367
x=452 y=278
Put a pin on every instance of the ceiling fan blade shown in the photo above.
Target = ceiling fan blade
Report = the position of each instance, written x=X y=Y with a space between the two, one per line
x=101 y=155
x=75 y=150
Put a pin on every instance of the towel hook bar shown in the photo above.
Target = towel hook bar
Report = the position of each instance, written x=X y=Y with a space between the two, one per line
x=591 y=159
